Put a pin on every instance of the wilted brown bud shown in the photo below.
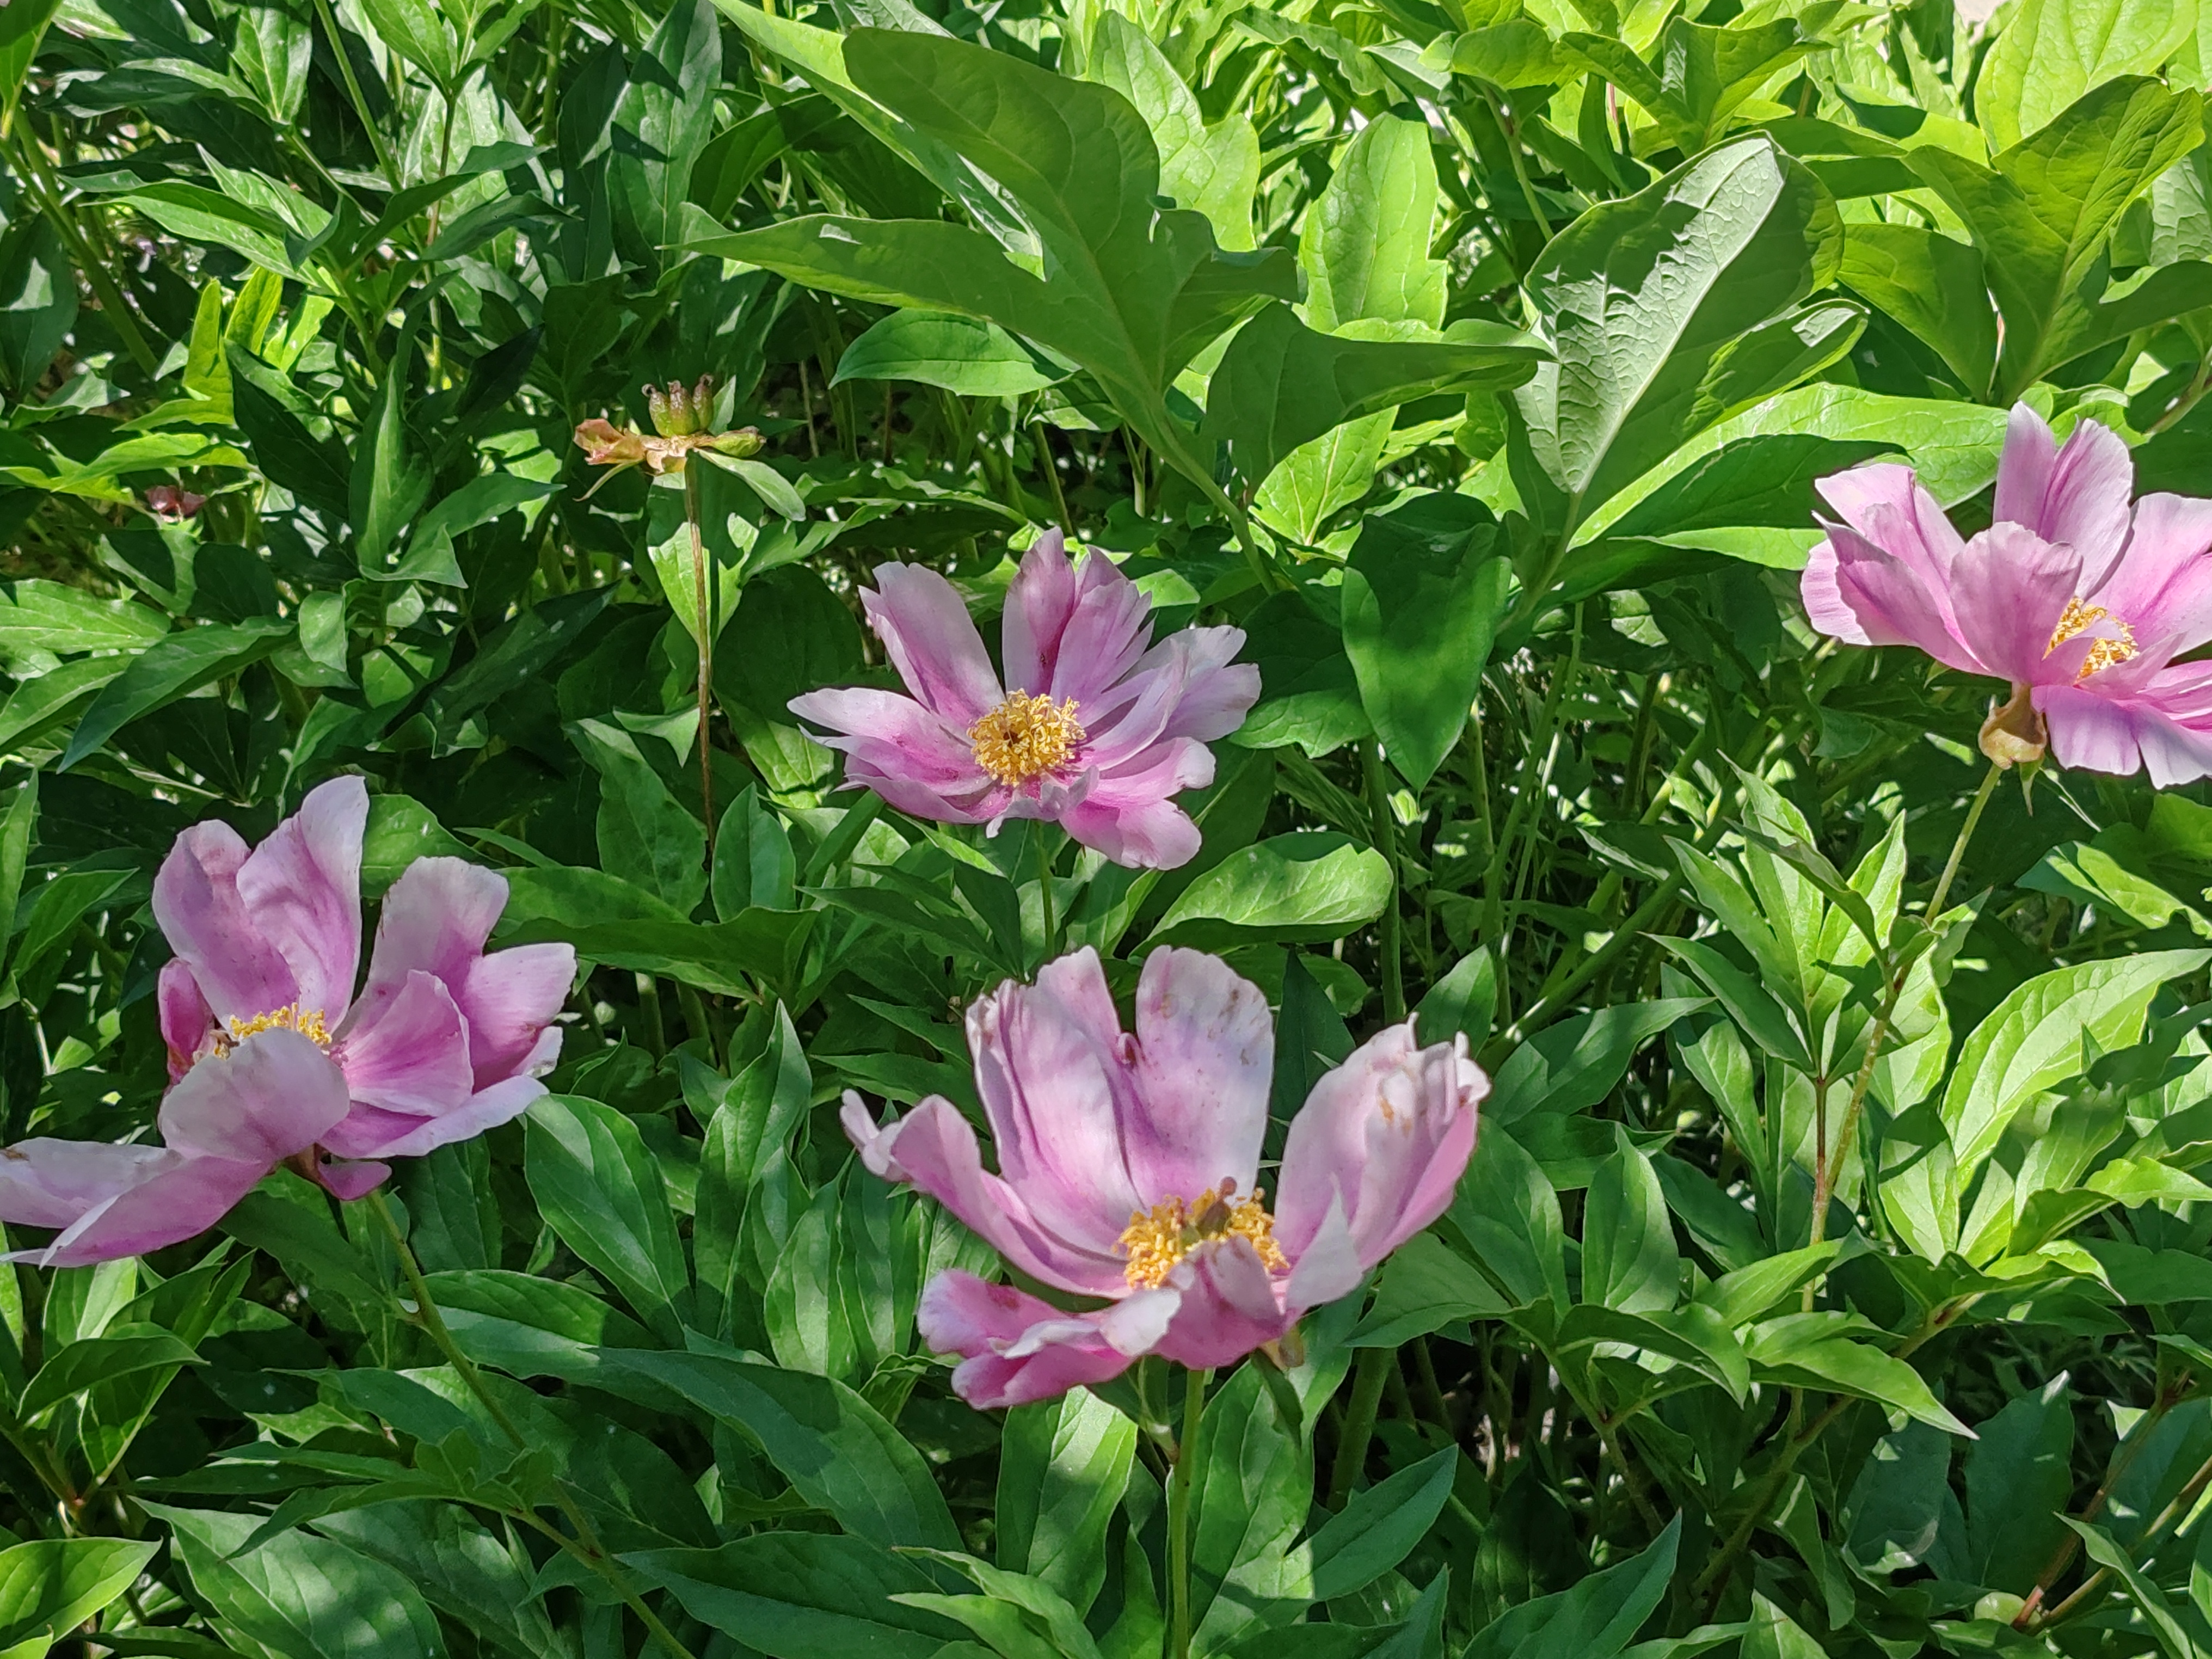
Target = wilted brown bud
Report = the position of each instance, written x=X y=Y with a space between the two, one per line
x=2015 y=734
x=170 y=501
x=605 y=443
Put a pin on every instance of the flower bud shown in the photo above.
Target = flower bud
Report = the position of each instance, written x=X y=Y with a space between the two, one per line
x=2015 y=734
x=744 y=441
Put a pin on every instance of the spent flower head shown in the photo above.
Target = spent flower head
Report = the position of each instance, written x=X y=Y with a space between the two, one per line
x=681 y=418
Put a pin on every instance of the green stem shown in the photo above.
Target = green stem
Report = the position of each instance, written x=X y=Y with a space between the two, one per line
x=1519 y=168
x=1367 y=1384
x=30 y=160
x=1044 y=891
x=353 y=92
x=1827 y=1170
x=1045 y=464
x=703 y=598
x=427 y=1318
x=1385 y=842
x=2063 y=1556
x=1194 y=1408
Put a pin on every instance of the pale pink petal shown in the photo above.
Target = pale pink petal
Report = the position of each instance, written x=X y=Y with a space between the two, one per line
x=373 y=1131
x=1229 y=1306
x=274 y=1095
x=302 y=888
x=197 y=907
x=1825 y=607
x=2163 y=585
x=1137 y=714
x=436 y=919
x=349 y=1179
x=1058 y=1090
x=914 y=759
x=2011 y=589
x=1130 y=815
x=112 y=1201
x=934 y=1148
x=1892 y=603
x=1387 y=1136
x=2094 y=731
x=1218 y=690
x=186 y=1020
x=1204 y=1052
x=411 y=1052
x=1328 y=1268
x=1016 y=1348
x=1886 y=504
x=933 y=642
x=1106 y=634
x=510 y=999
x=2076 y=495
x=1039 y=601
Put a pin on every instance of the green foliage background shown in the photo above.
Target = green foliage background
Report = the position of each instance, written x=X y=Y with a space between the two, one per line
x=1830 y=1276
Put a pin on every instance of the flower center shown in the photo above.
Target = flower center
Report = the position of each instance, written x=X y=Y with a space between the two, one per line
x=2115 y=645
x=1026 y=737
x=1157 y=1239
x=308 y=1023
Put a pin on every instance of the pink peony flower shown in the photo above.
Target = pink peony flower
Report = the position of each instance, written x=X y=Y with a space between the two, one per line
x=1129 y=1166
x=223 y=1127
x=2081 y=603
x=1091 y=731
x=273 y=1058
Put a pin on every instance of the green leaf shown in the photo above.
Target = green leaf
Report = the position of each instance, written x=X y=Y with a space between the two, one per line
x=87 y=1364
x=1309 y=885
x=389 y=483
x=15 y=825
x=1669 y=311
x=413 y=29
x=2050 y=53
x=2100 y=1546
x=1748 y=1003
x=804 y=1596
x=22 y=30
x=2018 y=1478
x=834 y=1448
x=973 y=358
x=1509 y=1215
x=1134 y=291
x=754 y=863
x=1595 y=1620
x=1251 y=1489
x=601 y=1191
x=461 y=1569
x=2034 y=1041
x=1577 y=1063
x=1364 y=242
x=1515 y=53
x=1379 y=1527
x=1423 y=592
x=1933 y=284
x=173 y=666
x=43 y=615
x=1464 y=1002
x=646 y=836
x=662 y=123
x=1425 y=1286
x=301 y=1597
x=1629 y=1258
x=289 y=456
x=1281 y=384
x=1805 y=1350
x=1213 y=170
x=1063 y=1467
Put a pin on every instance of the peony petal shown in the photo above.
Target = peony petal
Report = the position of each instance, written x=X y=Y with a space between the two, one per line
x=933 y=642
x=1218 y=692
x=188 y=1022
x=1328 y=1268
x=114 y=1201
x=1888 y=506
x=2077 y=495
x=1039 y=601
x=274 y=1095
x=373 y=1132
x=411 y=1052
x=1016 y=1348
x=1105 y=637
x=933 y=1149
x=1229 y=1306
x=913 y=758
x=2011 y=589
x=1129 y=815
x=1387 y=1136
x=347 y=1179
x=1052 y=1068
x=436 y=919
x=1892 y=602
x=1204 y=1053
x=2092 y=731
x=2163 y=585
x=302 y=888
x=197 y=907
x=510 y=1000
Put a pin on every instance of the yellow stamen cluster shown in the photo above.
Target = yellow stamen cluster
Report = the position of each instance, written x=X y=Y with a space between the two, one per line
x=2078 y=618
x=308 y=1023
x=1156 y=1240
x=1026 y=736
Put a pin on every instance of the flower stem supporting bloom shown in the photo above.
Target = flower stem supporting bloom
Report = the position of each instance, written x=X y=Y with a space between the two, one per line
x=1045 y=850
x=1385 y=842
x=1367 y=1385
x=1194 y=1408
x=704 y=600
x=585 y=1544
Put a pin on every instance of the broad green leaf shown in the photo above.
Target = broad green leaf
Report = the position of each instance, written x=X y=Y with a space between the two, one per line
x=1515 y=53
x=1509 y=1216
x=646 y=836
x=1213 y=169
x=1134 y=291
x=15 y=825
x=1364 y=242
x=602 y=1191
x=22 y=30
x=1629 y=1258
x=1575 y=1064
x=1425 y=1286
x=301 y=1597
x=1668 y=312
x=1281 y=384
x=973 y=358
x=1423 y=593
x=46 y=615
x=804 y=1596
x=834 y=1448
x=2018 y=1481
x=2050 y=53
x=1595 y=1620
x=2034 y=1040
x=175 y=666
x=1933 y=284
x=1063 y=1467
x=1807 y=1351
x=2101 y=1547
x=95 y=1360
x=662 y=123
x=1309 y=885
x=1900 y=1512
x=462 y=1570
x=1251 y=1489
x=416 y=30
x=50 y=1586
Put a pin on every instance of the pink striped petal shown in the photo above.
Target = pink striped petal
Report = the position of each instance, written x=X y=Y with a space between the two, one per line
x=302 y=888
x=933 y=642
x=1016 y=1348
